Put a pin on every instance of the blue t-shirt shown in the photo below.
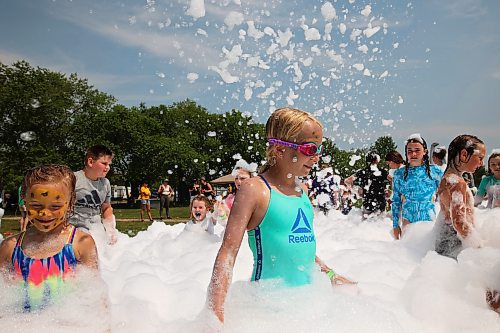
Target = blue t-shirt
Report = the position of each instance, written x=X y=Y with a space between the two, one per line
x=418 y=190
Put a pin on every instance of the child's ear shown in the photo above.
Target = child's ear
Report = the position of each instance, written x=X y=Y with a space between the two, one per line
x=463 y=155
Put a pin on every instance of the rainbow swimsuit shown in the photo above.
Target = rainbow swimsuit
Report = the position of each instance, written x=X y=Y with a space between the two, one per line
x=43 y=279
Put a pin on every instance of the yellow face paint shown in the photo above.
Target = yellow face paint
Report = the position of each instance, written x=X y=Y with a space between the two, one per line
x=47 y=205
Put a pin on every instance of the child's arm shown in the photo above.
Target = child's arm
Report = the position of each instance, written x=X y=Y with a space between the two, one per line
x=458 y=209
x=246 y=202
x=335 y=278
x=481 y=192
x=6 y=249
x=221 y=213
x=85 y=250
x=107 y=210
x=109 y=222
x=396 y=207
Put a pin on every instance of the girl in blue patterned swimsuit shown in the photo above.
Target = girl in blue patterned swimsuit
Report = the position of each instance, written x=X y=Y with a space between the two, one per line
x=414 y=186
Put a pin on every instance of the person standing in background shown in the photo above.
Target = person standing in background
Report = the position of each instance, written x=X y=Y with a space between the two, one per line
x=207 y=189
x=166 y=194
x=194 y=190
x=23 y=223
x=145 y=197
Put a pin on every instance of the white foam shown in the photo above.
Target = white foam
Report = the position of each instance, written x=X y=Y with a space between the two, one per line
x=157 y=283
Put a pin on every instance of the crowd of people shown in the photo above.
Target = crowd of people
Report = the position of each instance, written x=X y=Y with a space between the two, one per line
x=273 y=206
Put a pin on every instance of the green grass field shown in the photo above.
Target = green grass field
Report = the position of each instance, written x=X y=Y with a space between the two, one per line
x=128 y=220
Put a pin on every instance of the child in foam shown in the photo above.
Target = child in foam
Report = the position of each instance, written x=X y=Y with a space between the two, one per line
x=455 y=222
x=490 y=185
x=414 y=186
x=93 y=212
x=201 y=218
x=372 y=183
x=45 y=256
x=241 y=172
x=439 y=157
x=274 y=209
x=395 y=161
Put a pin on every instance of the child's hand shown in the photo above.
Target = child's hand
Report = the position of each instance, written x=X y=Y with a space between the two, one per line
x=110 y=227
x=340 y=280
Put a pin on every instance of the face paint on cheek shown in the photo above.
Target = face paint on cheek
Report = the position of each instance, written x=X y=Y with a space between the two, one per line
x=47 y=208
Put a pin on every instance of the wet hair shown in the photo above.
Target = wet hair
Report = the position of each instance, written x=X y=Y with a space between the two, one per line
x=465 y=141
x=492 y=156
x=425 y=159
x=394 y=156
x=96 y=152
x=54 y=174
x=284 y=124
x=199 y=197
x=439 y=154
x=371 y=158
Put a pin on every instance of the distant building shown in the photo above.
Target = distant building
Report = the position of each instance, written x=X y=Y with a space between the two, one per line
x=119 y=192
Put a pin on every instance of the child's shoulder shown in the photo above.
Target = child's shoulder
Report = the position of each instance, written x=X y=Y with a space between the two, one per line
x=83 y=239
x=7 y=247
x=488 y=178
x=436 y=170
x=254 y=183
x=11 y=240
x=453 y=180
x=399 y=172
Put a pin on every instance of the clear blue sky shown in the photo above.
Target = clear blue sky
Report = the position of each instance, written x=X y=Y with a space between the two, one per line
x=399 y=67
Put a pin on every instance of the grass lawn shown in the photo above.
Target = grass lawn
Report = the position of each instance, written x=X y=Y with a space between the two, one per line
x=128 y=220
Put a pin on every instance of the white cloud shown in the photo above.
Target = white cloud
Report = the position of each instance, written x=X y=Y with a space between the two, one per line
x=463 y=8
x=496 y=75
x=143 y=33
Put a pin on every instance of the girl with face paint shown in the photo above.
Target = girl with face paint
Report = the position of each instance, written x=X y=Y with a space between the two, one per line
x=48 y=252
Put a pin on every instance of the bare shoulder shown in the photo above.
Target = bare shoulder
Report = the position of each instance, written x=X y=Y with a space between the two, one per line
x=6 y=249
x=85 y=249
x=83 y=244
x=253 y=186
x=83 y=239
x=455 y=182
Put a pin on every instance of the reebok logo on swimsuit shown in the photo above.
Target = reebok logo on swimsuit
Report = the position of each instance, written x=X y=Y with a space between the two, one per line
x=301 y=226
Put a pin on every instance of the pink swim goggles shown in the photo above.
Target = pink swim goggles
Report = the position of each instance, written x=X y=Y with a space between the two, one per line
x=308 y=148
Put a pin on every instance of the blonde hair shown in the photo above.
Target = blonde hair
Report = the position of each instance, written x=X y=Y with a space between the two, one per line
x=284 y=124
x=53 y=174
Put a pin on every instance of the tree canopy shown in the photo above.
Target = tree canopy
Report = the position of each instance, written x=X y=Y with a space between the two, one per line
x=50 y=117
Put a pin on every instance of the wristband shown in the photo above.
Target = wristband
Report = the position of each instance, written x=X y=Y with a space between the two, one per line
x=331 y=274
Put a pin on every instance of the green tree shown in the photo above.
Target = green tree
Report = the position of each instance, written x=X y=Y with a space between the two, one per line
x=383 y=145
x=37 y=112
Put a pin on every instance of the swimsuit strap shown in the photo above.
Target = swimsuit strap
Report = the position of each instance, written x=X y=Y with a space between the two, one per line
x=71 y=236
x=20 y=239
x=265 y=181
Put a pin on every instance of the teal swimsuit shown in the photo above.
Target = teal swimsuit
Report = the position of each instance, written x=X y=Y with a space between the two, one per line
x=284 y=245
